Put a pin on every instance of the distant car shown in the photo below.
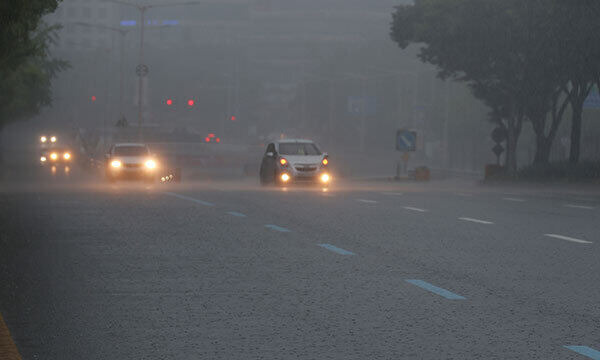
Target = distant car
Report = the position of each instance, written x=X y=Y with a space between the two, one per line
x=291 y=160
x=56 y=156
x=131 y=161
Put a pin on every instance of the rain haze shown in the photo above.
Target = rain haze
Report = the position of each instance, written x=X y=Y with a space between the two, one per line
x=278 y=179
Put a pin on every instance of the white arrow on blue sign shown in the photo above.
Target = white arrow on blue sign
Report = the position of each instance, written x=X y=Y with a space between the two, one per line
x=406 y=140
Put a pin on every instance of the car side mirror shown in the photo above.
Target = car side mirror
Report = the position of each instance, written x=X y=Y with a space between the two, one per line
x=270 y=154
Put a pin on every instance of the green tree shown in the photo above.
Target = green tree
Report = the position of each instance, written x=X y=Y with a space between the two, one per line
x=524 y=59
x=26 y=66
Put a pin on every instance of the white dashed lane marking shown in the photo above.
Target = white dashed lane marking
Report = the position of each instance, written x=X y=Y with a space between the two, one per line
x=197 y=201
x=567 y=238
x=478 y=221
x=414 y=209
x=367 y=201
x=573 y=206
x=513 y=199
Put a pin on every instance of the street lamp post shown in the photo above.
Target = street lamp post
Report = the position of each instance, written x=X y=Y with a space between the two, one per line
x=142 y=9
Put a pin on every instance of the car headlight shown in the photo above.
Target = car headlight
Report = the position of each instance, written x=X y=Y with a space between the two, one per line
x=54 y=156
x=53 y=139
x=66 y=156
x=43 y=159
x=150 y=164
x=43 y=139
x=285 y=177
x=325 y=178
x=115 y=163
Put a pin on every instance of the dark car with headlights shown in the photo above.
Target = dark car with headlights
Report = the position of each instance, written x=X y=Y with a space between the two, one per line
x=56 y=156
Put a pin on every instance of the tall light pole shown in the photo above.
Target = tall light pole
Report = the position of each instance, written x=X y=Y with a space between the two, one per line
x=142 y=9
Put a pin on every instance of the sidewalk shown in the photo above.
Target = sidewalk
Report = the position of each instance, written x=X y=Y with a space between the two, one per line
x=8 y=349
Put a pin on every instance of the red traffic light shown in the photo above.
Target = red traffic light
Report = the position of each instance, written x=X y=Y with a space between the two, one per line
x=190 y=102
x=169 y=102
x=93 y=97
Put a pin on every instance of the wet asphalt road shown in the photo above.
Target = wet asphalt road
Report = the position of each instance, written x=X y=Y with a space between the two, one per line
x=230 y=270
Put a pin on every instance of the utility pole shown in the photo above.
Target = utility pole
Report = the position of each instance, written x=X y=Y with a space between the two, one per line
x=142 y=9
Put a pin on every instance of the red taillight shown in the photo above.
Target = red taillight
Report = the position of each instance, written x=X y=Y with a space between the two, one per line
x=207 y=139
x=218 y=140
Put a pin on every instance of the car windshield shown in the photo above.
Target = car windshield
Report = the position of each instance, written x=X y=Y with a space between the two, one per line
x=299 y=149
x=131 y=150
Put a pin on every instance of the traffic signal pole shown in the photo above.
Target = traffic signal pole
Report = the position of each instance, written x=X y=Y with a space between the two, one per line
x=140 y=77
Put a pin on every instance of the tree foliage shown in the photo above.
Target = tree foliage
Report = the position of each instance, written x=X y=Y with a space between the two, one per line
x=526 y=60
x=26 y=66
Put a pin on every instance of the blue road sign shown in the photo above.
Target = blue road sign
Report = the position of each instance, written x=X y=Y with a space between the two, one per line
x=406 y=140
x=593 y=99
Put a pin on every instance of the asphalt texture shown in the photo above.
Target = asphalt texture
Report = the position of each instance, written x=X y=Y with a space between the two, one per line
x=362 y=270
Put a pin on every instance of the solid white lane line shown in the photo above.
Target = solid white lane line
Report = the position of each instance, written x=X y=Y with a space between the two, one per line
x=513 y=199
x=367 y=201
x=414 y=209
x=579 y=207
x=475 y=220
x=567 y=238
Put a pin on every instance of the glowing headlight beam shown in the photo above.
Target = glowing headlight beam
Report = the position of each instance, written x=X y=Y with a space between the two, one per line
x=54 y=156
x=43 y=159
x=115 y=163
x=325 y=178
x=150 y=164
x=53 y=139
x=285 y=177
x=43 y=139
x=66 y=156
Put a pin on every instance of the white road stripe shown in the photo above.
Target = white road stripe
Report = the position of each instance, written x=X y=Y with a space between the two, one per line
x=475 y=220
x=414 y=209
x=562 y=237
x=579 y=207
x=367 y=201
x=513 y=199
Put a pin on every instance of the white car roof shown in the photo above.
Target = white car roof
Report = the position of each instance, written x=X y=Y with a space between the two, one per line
x=130 y=144
x=285 y=141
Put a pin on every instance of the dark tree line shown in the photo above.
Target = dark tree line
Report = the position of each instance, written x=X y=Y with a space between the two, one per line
x=528 y=61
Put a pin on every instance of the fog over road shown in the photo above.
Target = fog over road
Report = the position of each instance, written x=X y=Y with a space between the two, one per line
x=364 y=270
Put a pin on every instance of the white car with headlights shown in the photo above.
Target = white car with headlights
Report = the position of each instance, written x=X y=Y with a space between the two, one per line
x=130 y=161
x=290 y=160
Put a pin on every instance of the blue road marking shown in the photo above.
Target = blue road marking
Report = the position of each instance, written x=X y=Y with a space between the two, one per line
x=436 y=290
x=586 y=351
x=235 y=213
x=205 y=203
x=336 y=249
x=277 y=228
